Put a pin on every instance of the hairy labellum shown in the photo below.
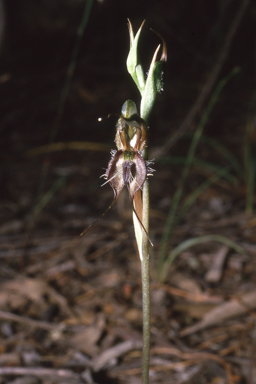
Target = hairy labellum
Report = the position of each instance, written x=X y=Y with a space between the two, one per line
x=121 y=172
x=127 y=167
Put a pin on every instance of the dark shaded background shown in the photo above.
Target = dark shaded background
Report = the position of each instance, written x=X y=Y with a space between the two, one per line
x=38 y=42
x=37 y=45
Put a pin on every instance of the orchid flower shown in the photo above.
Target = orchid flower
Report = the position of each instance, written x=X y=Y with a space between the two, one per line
x=127 y=166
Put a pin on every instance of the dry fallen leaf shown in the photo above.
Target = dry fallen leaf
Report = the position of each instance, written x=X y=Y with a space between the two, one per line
x=194 y=310
x=235 y=307
x=184 y=282
x=33 y=289
x=215 y=271
x=86 y=339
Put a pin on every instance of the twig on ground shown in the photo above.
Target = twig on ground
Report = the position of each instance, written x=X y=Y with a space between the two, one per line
x=195 y=357
x=112 y=353
x=197 y=297
x=23 y=371
x=25 y=320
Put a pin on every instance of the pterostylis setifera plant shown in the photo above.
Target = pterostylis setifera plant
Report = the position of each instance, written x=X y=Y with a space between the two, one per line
x=127 y=166
x=130 y=167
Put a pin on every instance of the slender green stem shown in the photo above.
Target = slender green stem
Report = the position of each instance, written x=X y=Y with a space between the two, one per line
x=145 y=273
x=143 y=247
x=145 y=278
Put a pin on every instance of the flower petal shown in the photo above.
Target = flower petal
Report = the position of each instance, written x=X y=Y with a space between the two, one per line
x=114 y=173
x=140 y=174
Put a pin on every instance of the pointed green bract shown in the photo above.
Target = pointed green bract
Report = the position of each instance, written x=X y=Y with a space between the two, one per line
x=150 y=91
x=130 y=32
x=158 y=75
x=133 y=65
